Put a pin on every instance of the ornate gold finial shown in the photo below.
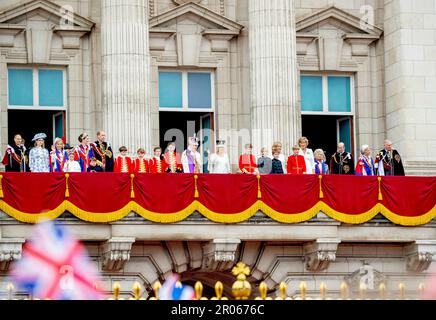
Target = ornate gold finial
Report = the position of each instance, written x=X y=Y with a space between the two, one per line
x=241 y=288
x=10 y=289
x=322 y=290
x=156 y=287
x=362 y=289
x=219 y=291
x=136 y=291
x=344 y=291
x=382 y=289
x=402 y=288
x=116 y=288
x=303 y=290
x=199 y=291
x=421 y=290
x=282 y=289
x=263 y=290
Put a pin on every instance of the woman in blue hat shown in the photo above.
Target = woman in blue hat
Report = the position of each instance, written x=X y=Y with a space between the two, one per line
x=39 y=158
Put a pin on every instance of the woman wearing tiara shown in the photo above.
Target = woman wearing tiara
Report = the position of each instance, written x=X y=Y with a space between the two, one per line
x=219 y=161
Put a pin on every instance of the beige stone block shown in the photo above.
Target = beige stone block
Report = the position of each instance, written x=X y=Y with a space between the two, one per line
x=424 y=6
x=423 y=37
x=393 y=266
x=424 y=99
x=412 y=83
x=411 y=52
x=430 y=84
x=430 y=21
x=430 y=52
x=426 y=131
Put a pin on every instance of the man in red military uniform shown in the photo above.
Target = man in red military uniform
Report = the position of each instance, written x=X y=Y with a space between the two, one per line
x=140 y=165
x=296 y=163
x=157 y=163
x=173 y=160
x=123 y=163
x=247 y=161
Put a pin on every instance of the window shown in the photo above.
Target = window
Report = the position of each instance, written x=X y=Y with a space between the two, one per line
x=36 y=88
x=330 y=94
x=187 y=90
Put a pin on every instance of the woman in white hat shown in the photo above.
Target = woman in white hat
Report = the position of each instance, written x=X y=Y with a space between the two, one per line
x=219 y=161
x=39 y=158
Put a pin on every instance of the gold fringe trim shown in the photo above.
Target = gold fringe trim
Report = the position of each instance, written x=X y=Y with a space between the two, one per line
x=229 y=218
x=196 y=195
x=218 y=217
x=380 y=196
x=165 y=217
x=259 y=193
x=67 y=190
x=321 y=194
x=1 y=188
x=132 y=191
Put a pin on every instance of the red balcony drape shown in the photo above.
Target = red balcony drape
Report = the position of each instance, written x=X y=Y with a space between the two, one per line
x=168 y=198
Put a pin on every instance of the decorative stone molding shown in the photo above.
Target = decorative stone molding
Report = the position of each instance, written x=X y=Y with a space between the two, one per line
x=330 y=48
x=366 y=274
x=8 y=33
x=219 y=39
x=212 y=27
x=220 y=254
x=10 y=250
x=319 y=253
x=116 y=252
x=420 y=255
x=180 y=2
x=303 y=41
x=38 y=35
x=360 y=43
x=71 y=37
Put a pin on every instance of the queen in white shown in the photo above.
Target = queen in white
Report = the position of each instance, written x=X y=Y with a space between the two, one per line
x=219 y=161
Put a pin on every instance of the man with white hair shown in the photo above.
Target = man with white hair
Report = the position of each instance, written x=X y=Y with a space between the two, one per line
x=389 y=161
x=342 y=162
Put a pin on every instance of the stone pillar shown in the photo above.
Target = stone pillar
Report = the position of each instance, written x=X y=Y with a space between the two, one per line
x=410 y=79
x=273 y=66
x=125 y=73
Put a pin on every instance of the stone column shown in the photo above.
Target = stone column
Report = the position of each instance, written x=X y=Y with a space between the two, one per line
x=410 y=79
x=273 y=66
x=125 y=73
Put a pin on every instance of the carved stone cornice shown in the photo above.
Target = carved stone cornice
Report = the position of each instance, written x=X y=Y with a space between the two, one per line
x=8 y=33
x=71 y=36
x=420 y=255
x=319 y=253
x=220 y=254
x=116 y=252
x=10 y=250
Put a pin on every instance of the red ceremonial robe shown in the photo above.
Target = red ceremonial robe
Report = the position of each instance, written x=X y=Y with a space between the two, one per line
x=296 y=165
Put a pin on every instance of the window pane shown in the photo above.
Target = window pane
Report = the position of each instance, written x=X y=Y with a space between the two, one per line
x=51 y=88
x=345 y=133
x=339 y=94
x=20 y=84
x=311 y=93
x=59 y=126
x=199 y=90
x=170 y=90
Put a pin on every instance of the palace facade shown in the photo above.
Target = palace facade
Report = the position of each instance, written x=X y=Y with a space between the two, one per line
x=152 y=71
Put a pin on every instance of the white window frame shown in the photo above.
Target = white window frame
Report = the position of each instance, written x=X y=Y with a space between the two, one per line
x=35 y=79
x=185 y=94
x=325 y=94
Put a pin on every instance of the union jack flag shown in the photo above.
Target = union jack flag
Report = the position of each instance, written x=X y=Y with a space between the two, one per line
x=172 y=289
x=54 y=265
